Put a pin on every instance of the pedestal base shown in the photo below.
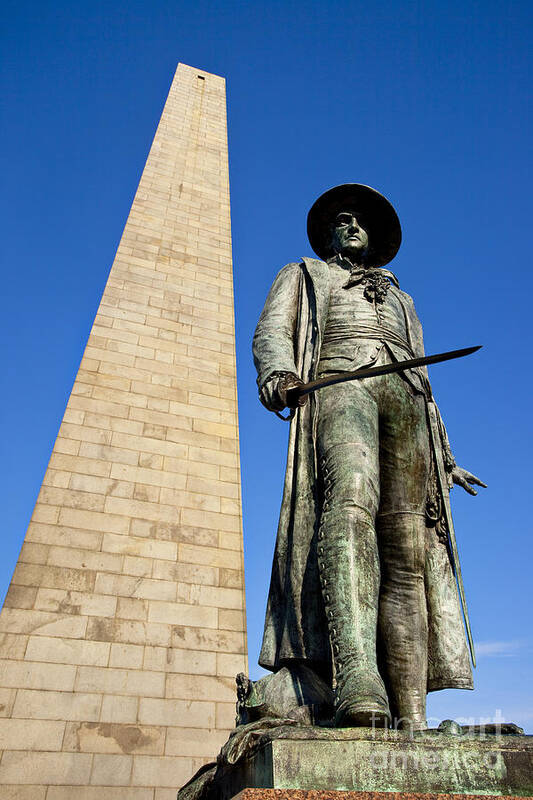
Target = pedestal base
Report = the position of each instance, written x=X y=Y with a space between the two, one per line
x=304 y=794
x=315 y=762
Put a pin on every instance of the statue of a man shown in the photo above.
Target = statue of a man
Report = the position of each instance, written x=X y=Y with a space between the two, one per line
x=362 y=589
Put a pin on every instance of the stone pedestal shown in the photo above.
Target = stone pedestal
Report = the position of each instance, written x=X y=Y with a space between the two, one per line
x=303 y=794
x=317 y=763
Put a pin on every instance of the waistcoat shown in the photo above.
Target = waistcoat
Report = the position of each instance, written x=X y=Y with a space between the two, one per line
x=358 y=329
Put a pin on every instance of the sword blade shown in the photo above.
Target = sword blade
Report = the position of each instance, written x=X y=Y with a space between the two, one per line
x=371 y=372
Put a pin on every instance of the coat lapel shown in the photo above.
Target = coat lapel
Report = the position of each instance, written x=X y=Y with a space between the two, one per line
x=317 y=279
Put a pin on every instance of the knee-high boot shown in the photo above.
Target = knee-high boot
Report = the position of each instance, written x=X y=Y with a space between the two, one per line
x=350 y=576
x=403 y=615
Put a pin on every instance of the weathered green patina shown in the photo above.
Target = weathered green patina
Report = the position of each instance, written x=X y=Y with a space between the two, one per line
x=363 y=613
x=279 y=754
x=362 y=589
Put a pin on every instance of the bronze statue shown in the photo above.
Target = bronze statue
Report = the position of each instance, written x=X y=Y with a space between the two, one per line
x=363 y=594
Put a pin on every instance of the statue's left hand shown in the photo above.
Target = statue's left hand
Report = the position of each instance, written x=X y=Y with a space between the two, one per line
x=464 y=478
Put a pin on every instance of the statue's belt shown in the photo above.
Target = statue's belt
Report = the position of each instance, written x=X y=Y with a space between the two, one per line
x=347 y=333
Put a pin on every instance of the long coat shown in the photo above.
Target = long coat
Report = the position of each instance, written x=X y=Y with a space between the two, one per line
x=288 y=338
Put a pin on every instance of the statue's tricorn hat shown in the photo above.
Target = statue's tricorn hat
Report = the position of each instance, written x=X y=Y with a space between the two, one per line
x=374 y=212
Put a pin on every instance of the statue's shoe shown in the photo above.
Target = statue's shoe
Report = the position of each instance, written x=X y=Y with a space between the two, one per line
x=361 y=701
x=362 y=714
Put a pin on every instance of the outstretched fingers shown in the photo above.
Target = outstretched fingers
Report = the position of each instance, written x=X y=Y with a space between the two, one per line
x=464 y=482
x=472 y=479
x=465 y=479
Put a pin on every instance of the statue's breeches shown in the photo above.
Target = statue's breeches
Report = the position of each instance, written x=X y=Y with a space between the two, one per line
x=374 y=462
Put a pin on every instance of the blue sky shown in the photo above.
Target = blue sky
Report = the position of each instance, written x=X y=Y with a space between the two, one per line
x=425 y=101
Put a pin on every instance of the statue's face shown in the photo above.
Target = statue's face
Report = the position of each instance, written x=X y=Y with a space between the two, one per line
x=349 y=237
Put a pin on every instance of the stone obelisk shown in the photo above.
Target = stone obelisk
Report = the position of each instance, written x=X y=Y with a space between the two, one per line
x=124 y=624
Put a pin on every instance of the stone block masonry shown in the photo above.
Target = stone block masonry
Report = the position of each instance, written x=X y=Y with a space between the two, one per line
x=124 y=624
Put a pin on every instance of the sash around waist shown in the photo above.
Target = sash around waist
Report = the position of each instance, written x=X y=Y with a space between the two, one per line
x=335 y=334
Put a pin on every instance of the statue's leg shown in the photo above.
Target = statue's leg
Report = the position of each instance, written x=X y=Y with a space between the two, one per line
x=347 y=550
x=401 y=524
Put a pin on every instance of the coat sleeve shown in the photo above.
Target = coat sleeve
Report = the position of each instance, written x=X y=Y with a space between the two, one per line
x=275 y=336
x=417 y=340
